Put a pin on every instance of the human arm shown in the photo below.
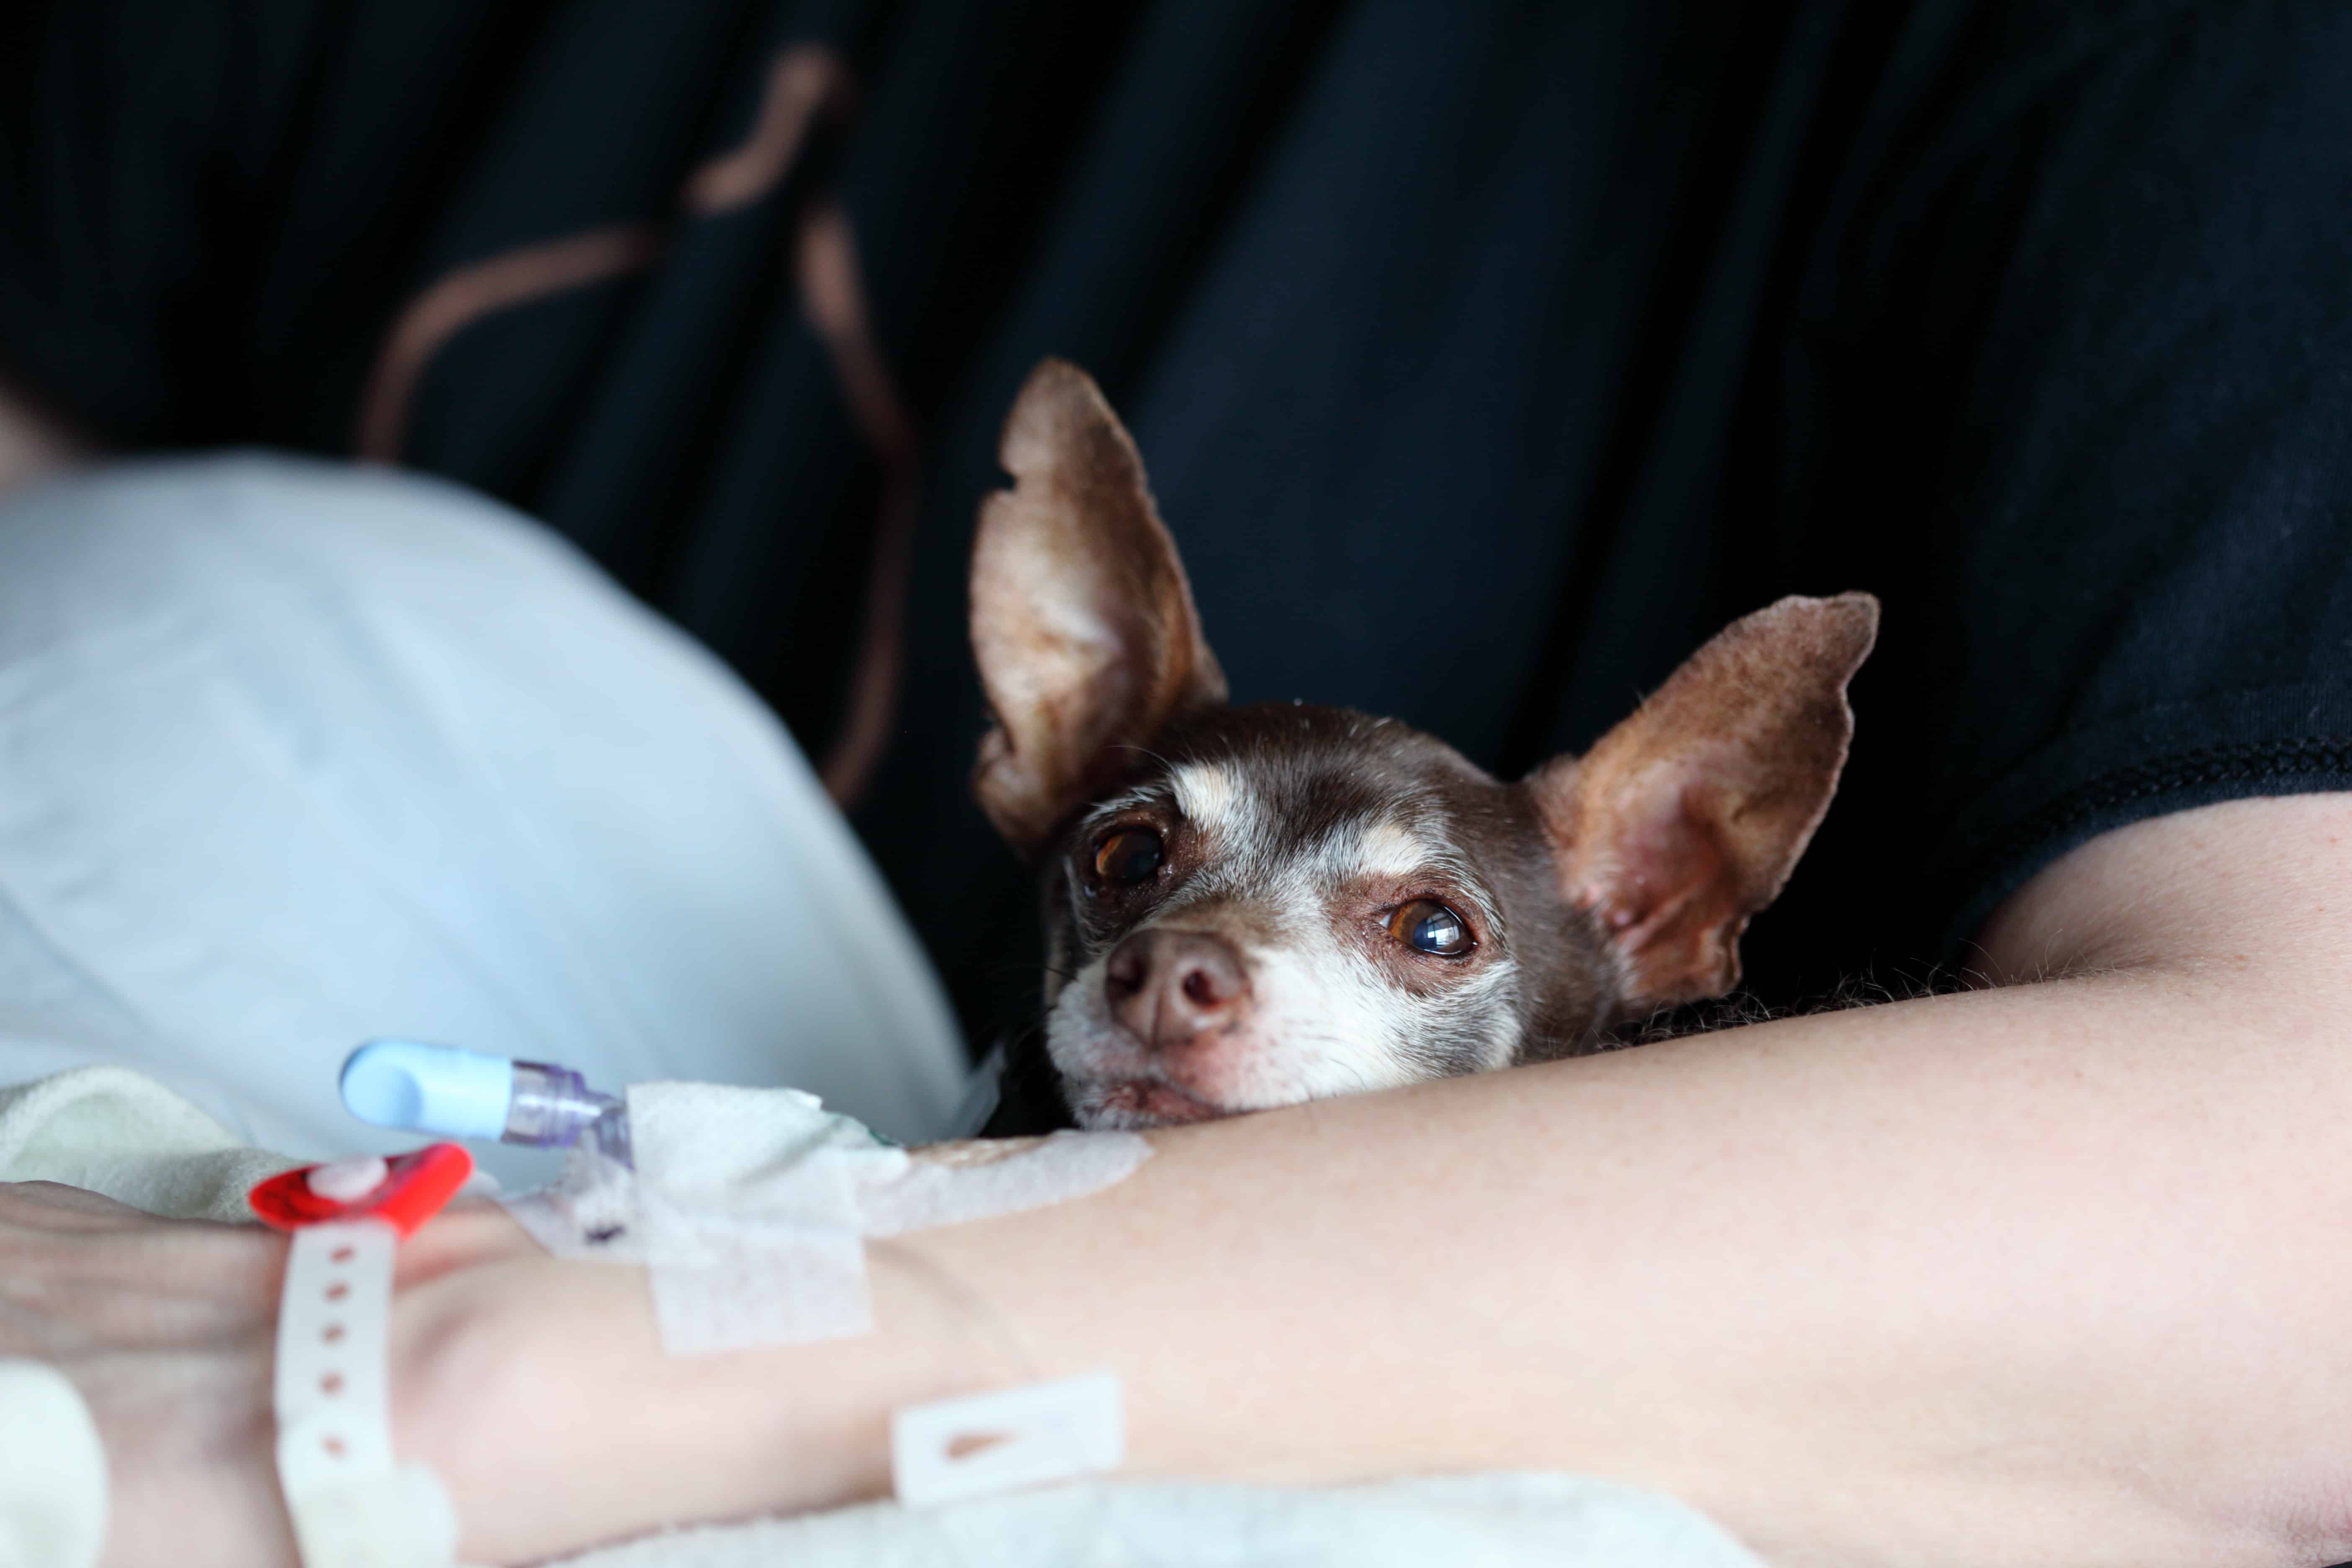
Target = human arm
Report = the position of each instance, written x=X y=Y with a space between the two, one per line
x=2038 y=1273
x=2046 y=1271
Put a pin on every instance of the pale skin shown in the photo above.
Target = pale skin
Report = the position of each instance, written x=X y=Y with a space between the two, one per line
x=2051 y=1271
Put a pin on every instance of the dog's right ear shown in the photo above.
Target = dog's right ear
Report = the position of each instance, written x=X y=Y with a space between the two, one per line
x=1081 y=620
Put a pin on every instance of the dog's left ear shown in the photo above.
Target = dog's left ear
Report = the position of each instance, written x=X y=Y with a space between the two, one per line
x=1687 y=818
x=1081 y=618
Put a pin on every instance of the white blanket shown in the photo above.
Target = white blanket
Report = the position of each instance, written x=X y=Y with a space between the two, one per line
x=1436 y=1522
x=121 y=1133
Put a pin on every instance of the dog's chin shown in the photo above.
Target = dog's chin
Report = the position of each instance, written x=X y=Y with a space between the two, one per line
x=1131 y=1104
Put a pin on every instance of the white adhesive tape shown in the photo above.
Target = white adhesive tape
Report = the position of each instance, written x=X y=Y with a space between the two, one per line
x=955 y=1449
x=750 y=1207
x=749 y=1216
x=963 y=1182
x=590 y=1212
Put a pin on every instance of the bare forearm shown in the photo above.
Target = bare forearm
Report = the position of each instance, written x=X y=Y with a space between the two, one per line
x=2015 y=1263
x=2046 y=1273
x=1999 y=1276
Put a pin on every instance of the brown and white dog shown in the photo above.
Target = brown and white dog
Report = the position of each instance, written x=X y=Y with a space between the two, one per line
x=1251 y=907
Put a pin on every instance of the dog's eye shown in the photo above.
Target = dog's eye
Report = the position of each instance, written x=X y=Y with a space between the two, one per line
x=1130 y=855
x=1425 y=925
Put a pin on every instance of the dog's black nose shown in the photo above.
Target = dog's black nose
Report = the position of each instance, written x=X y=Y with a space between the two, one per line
x=1166 y=987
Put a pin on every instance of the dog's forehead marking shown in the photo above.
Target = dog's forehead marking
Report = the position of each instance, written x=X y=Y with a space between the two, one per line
x=1215 y=798
x=1387 y=847
x=1296 y=837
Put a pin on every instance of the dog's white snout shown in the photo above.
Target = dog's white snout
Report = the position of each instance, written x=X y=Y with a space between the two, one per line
x=1165 y=987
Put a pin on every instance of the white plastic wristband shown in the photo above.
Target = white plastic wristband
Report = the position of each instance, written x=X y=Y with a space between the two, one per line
x=353 y=1505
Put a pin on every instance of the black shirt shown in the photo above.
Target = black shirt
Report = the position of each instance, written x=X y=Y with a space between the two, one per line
x=1487 y=356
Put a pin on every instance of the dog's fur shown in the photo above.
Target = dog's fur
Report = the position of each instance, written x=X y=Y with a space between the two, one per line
x=1260 y=958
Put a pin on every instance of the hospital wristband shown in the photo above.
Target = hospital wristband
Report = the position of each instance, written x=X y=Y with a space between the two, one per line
x=352 y=1502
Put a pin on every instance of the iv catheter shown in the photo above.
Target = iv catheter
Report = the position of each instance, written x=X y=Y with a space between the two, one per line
x=455 y=1093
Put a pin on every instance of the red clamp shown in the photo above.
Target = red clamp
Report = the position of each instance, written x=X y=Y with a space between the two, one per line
x=412 y=1189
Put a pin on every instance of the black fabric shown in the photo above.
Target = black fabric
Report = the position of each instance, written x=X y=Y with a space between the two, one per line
x=1487 y=356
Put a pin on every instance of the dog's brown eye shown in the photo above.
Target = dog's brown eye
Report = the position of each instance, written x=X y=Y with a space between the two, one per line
x=1425 y=925
x=1130 y=855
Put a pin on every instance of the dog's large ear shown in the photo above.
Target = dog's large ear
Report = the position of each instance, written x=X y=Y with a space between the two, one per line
x=1081 y=620
x=1687 y=818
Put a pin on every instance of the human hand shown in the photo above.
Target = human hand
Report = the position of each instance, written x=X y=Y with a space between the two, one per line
x=536 y=1387
x=164 y=1326
x=167 y=1329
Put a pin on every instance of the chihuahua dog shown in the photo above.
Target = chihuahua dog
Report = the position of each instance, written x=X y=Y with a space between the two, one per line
x=1248 y=907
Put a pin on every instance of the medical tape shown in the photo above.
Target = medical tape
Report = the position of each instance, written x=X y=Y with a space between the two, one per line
x=591 y=1211
x=750 y=1208
x=961 y=1182
x=952 y=1451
